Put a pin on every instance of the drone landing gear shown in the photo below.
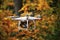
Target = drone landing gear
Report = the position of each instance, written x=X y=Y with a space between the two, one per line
x=23 y=25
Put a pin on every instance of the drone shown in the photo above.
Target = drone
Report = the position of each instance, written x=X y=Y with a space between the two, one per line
x=26 y=18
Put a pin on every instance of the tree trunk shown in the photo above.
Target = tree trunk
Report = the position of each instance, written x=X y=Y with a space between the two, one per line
x=18 y=5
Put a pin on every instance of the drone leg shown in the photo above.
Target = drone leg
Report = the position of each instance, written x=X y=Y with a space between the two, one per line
x=27 y=24
x=34 y=24
x=19 y=25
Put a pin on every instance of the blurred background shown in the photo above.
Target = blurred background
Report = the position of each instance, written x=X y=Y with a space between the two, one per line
x=48 y=28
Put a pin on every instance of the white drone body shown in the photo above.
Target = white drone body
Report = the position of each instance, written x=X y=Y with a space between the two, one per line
x=26 y=18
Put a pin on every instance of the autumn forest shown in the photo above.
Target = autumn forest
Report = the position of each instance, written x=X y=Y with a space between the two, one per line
x=48 y=28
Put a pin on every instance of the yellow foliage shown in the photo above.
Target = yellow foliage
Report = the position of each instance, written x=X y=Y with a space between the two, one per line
x=43 y=4
x=11 y=26
x=44 y=27
x=5 y=18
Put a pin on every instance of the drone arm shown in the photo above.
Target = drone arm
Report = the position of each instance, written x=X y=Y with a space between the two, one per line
x=37 y=18
x=16 y=19
x=34 y=18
